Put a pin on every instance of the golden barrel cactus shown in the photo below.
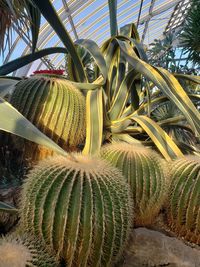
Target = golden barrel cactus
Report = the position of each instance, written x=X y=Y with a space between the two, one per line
x=24 y=251
x=82 y=209
x=56 y=107
x=144 y=170
x=183 y=211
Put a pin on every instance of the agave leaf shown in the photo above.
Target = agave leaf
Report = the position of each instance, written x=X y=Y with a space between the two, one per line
x=35 y=16
x=192 y=78
x=164 y=143
x=22 y=61
x=14 y=122
x=94 y=121
x=130 y=31
x=7 y=208
x=126 y=138
x=166 y=82
x=49 y=12
x=122 y=95
x=182 y=100
x=7 y=84
x=113 y=17
x=94 y=50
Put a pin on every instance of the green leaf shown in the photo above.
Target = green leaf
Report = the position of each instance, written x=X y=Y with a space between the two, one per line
x=113 y=17
x=167 y=83
x=7 y=208
x=130 y=31
x=182 y=100
x=94 y=121
x=192 y=78
x=14 y=122
x=161 y=139
x=22 y=61
x=122 y=95
x=35 y=16
x=49 y=12
x=94 y=50
x=125 y=138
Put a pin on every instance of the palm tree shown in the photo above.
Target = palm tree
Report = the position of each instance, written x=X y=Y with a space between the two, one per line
x=190 y=36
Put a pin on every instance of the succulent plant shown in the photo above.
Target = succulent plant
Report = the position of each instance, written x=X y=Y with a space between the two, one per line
x=177 y=129
x=56 y=107
x=23 y=251
x=183 y=209
x=144 y=170
x=82 y=209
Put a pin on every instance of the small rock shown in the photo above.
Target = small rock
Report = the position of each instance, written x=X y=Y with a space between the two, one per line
x=151 y=248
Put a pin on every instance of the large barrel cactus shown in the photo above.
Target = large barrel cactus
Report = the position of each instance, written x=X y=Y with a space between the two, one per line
x=81 y=209
x=144 y=171
x=56 y=107
x=184 y=198
x=25 y=251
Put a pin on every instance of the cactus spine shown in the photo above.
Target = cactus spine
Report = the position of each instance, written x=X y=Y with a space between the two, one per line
x=184 y=198
x=56 y=107
x=81 y=209
x=143 y=170
x=16 y=251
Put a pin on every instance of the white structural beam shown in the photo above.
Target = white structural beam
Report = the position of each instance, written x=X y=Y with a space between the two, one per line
x=160 y=10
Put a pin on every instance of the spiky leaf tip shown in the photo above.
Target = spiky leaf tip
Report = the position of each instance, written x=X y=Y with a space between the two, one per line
x=145 y=171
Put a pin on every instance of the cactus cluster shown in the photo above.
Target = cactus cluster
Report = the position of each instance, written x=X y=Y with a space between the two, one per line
x=56 y=107
x=82 y=209
x=183 y=209
x=23 y=251
x=145 y=172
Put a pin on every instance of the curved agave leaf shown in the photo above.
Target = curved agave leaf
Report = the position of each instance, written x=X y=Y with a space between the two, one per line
x=161 y=139
x=14 y=122
x=113 y=17
x=35 y=16
x=122 y=95
x=49 y=12
x=182 y=101
x=192 y=78
x=22 y=61
x=130 y=31
x=94 y=121
x=94 y=50
x=126 y=138
x=7 y=208
x=167 y=83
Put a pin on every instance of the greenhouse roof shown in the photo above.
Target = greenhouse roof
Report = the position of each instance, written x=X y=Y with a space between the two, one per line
x=90 y=19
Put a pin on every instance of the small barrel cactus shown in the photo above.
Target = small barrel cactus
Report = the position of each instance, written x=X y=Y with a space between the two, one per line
x=144 y=170
x=183 y=211
x=56 y=107
x=82 y=209
x=23 y=251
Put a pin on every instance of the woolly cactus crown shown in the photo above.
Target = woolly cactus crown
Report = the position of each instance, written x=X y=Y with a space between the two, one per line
x=81 y=209
x=144 y=170
x=16 y=251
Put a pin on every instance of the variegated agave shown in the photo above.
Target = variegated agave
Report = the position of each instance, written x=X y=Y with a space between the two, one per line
x=120 y=91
